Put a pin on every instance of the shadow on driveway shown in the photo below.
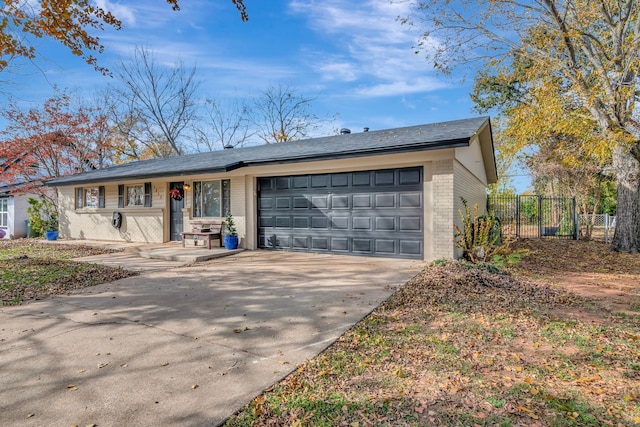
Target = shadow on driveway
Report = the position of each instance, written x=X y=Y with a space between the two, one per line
x=186 y=346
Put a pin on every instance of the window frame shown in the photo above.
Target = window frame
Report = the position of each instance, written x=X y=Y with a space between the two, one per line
x=137 y=197
x=4 y=213
x=198 y=202
x=123 y=195
x=81 y=197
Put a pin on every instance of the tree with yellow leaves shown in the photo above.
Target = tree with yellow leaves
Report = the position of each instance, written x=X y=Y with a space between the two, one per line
x=581 y=60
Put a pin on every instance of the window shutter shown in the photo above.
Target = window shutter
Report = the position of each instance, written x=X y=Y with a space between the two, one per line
x=121 y=195
x=147 y=194
x=101 y=196
x=79 y=200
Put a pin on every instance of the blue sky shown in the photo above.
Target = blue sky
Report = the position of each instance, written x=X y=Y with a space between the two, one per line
x=355 y=58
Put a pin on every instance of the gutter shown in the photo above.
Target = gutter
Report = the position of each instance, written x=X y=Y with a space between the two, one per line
x=455 y=143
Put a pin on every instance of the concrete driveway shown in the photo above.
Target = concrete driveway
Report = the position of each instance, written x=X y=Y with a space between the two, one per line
x=185 y=346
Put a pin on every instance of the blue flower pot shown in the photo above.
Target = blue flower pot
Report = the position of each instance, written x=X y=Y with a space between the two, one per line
x=51 y=234
x=231 y=242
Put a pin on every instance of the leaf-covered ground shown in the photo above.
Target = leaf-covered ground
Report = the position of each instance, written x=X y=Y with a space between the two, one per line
x=547 y=343
x=32 y=269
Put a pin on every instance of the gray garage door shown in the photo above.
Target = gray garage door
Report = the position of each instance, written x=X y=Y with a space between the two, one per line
x=372 y=213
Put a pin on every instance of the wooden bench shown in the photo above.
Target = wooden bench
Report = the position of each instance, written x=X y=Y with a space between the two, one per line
x=205 y=230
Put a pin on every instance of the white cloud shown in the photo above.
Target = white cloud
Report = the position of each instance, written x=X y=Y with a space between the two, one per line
x=125 y=14
x=375 y=47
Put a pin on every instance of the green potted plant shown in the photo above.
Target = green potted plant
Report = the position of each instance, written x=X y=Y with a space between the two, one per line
x=230 y=232
x=51 y=227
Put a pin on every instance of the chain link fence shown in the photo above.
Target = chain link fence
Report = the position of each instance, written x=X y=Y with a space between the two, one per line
x=597 y=227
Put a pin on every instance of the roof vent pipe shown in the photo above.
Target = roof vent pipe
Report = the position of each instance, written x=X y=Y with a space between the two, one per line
x=365 y=130
x=345 y=131
x=228 y=146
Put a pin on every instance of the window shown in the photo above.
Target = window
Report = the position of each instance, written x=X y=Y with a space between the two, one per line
x=91 y=197
x=4 y=213
x=135 y=195
x=211 y=198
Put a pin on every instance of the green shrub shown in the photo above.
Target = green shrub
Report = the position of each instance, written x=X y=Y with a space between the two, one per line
x=480 y=238
x=42 y=215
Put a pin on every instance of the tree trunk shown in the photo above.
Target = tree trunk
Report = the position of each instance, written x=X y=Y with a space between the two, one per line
x=627 y=231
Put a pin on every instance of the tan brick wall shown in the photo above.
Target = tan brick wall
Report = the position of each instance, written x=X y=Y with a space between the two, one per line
x=442 y=196
x=139 y=224
x=238 y=207
x=467 y=185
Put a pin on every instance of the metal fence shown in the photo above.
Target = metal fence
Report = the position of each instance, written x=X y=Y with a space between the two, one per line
x=535 y=216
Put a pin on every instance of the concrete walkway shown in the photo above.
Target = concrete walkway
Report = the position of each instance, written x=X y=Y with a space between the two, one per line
x=181 y=346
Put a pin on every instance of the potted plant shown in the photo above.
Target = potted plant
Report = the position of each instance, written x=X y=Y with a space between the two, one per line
x=51 y=227
x=230 y=232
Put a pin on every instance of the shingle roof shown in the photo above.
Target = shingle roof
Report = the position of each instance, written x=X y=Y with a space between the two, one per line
x=433 y=136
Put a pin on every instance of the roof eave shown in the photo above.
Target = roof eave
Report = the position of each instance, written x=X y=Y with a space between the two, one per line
x=455 y=143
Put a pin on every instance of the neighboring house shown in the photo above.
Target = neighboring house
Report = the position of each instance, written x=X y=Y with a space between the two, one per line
x=13 y=212
x=391 y=193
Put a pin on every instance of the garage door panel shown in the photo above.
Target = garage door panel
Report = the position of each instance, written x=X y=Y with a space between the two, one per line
x=265 y=203
x=363 y=213
x=283 y=222
x=385 y=223
x=411 y=200
x=266 y=222
x=363 y=246
x=340 y=201
x=386 y=200
x=300 y=202
x=282 y=183
x=409 y=177
x=360 y=223
x=283 y=203
x=320 y=243
x=410 y=247
x=301 y=222
x=385 y=178
x=340 y=222
x=320 y=222
x=410 y=224
x=362 y=201
x=300 y=182
x=320 y=202
x=319 y=181
x=300 y=242
x=361 y=179
x=339 y=180
x=384 y=246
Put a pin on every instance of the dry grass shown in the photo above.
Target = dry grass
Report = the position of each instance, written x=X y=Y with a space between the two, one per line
x=460 y=346
x=32 y=270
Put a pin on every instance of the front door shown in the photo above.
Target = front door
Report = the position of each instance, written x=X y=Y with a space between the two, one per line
x=175 y=212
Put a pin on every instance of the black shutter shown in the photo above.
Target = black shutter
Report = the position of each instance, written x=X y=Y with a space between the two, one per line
x=121 y=195
x=147 y=194
x=79 y=203
x=101 y=196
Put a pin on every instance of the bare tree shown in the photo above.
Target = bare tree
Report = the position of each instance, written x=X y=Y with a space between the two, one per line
x=153 y=105
x=282 y=114
x=227 y=124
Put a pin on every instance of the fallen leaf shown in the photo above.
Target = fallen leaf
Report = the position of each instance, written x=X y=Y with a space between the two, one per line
x=164 y=364
x=72 y=387
x=194 y=386
x=31 y=415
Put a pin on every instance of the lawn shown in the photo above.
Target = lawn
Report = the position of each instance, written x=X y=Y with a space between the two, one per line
x=33 y=269
x=553 y=341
